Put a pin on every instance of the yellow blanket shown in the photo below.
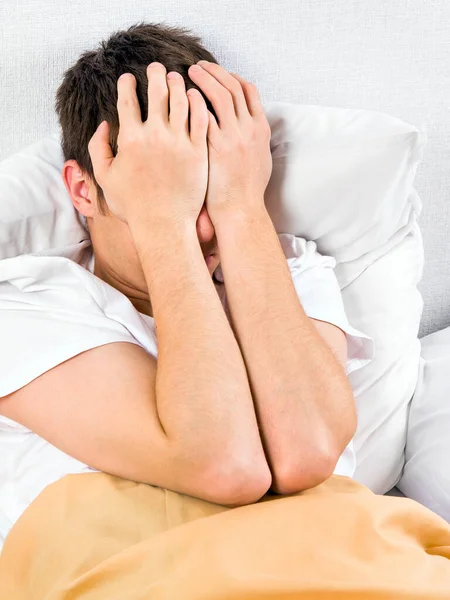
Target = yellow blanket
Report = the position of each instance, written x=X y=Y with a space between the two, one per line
x=98 y=537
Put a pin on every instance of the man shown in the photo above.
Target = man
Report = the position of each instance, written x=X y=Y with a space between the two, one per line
x=242 y=392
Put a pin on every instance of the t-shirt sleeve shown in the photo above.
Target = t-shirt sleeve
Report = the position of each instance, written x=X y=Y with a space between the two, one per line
x=48 y=314
x=318 y=290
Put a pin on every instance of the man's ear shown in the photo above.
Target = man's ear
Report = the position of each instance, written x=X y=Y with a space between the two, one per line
x=80 y=188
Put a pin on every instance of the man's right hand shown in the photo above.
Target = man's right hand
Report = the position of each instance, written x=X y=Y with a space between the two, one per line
x=160 y=171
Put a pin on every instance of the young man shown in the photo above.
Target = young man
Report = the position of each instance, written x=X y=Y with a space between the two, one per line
x=134 y=360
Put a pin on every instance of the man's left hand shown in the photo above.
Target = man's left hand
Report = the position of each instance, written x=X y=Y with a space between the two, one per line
x=240 y=162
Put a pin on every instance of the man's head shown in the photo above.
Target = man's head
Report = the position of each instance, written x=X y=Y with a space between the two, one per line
x=88 y=95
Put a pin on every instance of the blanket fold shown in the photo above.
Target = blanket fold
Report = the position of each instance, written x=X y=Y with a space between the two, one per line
x=98 y=537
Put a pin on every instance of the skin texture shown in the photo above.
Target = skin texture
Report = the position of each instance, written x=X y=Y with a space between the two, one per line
x=235 y=408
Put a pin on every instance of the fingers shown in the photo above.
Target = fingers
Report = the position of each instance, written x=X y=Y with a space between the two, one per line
x=178 y=102
x=100 y=150
x=245 y=95
x=199 y=117
x=219 y=96
x=252 y=96
x=213 y=128
x=158 y=93
x=127 y=103
x=229 y=82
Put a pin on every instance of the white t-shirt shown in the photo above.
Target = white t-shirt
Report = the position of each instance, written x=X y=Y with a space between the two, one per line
x=52 y=307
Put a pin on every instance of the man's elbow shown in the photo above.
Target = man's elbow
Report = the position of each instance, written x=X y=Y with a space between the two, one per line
x=294 y=477
x=240 y=481
x=306 y=469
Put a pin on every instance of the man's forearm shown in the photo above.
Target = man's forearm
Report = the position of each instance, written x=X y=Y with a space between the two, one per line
x=203 y=395
x=302 y=395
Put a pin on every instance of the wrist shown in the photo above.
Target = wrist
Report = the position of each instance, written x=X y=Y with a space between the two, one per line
x=243 y=214
x=139 y=220
x=160 y=234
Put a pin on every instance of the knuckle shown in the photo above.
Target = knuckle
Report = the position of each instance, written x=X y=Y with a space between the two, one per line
x=157 y=77
x=179 y=147
x=227 y=94
x=179 y=102
x=219 y=95
x=226 y=146
x=156 y=135
x=160 y=88
x=241 y=145
x=127 y=102
x=129 y=138
x=248 y=133
x=235 y=87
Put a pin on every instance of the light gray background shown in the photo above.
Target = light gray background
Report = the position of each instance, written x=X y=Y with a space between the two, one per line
x=388 y=55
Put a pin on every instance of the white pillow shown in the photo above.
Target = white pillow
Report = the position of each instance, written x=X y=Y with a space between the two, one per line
x=36 y=212
x=343 y=178
x=384 y=303
x=340 y=177
x=426 y=476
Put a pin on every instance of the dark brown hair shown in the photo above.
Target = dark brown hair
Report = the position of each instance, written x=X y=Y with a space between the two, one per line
x=88 y=92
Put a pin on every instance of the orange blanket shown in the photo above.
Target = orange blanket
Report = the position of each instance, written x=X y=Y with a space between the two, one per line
x=98 y=537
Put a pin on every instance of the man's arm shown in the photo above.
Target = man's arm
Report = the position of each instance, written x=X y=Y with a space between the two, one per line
x=185 y=422
x=203 y=395
x=303 y=399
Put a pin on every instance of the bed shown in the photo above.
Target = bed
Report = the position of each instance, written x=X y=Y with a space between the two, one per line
x=376 y=55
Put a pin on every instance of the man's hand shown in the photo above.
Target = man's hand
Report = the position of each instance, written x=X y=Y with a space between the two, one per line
x=161 y=169
x=240 y=162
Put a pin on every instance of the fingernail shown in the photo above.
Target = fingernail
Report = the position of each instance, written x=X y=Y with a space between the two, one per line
x=173 y=75
x=195 y=68
x=203 y=62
